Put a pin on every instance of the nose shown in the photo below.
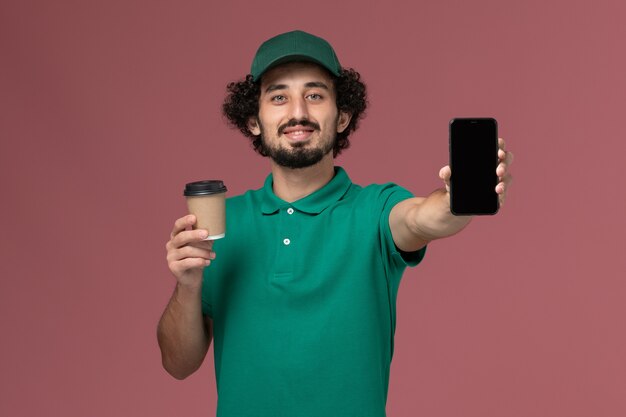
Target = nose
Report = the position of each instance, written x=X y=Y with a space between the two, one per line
x=299 y=109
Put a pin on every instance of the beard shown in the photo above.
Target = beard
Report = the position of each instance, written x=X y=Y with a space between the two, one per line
x=297 y=155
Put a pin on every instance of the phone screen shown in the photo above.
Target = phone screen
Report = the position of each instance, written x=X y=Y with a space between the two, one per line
x=473 y=161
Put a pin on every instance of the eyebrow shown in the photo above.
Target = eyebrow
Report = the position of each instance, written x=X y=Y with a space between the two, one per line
x=311 y=84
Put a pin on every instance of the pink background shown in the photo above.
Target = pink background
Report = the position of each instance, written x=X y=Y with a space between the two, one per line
x=108 y=107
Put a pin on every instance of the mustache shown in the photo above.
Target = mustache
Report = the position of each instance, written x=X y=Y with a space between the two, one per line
x=294 y=122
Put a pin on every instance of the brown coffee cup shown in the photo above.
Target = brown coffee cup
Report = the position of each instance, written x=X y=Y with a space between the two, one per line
x=207 y=201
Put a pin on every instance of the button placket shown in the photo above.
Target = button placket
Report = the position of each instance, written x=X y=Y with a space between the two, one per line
x=287 y=232
x=289 y=222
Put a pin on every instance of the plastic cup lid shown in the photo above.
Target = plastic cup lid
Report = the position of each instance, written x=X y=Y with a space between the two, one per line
x=206 y=187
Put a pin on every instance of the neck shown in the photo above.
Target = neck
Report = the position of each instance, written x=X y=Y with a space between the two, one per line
x=293 y=184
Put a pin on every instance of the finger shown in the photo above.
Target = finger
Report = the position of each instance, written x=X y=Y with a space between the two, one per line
x=502 y=191
x=189 y=252
x=189 y=236
x=501 y=198
x=504 y=184
x=182 y=223
x=501 y=143
x=501 y=170
x=505 y=155
x=509 y=158
x=178 y=267
x=204 y=244
x=445 y=173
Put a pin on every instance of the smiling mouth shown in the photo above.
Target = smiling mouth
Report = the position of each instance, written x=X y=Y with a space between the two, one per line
x=298 y=133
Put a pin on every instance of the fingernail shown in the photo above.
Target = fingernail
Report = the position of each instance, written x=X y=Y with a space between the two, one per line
x=203 y=234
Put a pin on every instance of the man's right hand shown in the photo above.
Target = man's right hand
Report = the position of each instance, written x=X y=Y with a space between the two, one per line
x=188 y=253
x=183 y=333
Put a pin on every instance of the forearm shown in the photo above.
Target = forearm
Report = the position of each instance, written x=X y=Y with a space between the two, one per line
x=433 y=219
x=182 y=335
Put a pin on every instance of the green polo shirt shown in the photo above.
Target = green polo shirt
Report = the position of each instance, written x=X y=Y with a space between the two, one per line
x=303 y=301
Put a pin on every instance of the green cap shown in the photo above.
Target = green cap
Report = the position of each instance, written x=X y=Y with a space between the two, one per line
x=294 y=46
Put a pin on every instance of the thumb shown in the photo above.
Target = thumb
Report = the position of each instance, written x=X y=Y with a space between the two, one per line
x=445 y=173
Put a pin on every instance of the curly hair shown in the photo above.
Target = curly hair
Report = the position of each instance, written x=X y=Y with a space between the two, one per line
x=242 y=103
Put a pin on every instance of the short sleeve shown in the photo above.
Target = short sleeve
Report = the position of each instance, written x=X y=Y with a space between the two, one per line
x=393 y=194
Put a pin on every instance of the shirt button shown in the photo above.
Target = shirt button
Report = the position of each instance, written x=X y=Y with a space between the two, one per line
x=289 y=210
x=286 y=241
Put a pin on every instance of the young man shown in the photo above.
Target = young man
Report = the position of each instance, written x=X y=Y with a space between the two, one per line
x=301 y=302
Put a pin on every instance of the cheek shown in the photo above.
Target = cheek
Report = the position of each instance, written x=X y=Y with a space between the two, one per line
x=328 y=117
x=269 y=119
x=332 y=123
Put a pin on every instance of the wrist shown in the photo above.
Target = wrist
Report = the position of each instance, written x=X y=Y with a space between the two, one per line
x=435 y=219
x=185 y=292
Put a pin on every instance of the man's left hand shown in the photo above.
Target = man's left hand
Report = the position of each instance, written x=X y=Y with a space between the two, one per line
x=504 y=177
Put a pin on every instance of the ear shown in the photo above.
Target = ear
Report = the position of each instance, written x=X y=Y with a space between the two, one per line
x=344 y=121
x=253 y=126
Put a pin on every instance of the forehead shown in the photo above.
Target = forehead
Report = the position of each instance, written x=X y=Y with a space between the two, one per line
x=294 y=73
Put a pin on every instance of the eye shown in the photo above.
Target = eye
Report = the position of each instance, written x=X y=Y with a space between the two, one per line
x=278 y=98
x=315 y=96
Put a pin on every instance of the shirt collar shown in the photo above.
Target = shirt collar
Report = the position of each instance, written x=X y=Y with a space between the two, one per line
x=314 y=203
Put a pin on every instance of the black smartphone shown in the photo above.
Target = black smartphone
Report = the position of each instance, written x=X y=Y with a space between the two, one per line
x=473 y=161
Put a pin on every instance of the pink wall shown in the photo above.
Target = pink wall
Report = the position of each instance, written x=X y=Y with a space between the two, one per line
x=108 y=107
